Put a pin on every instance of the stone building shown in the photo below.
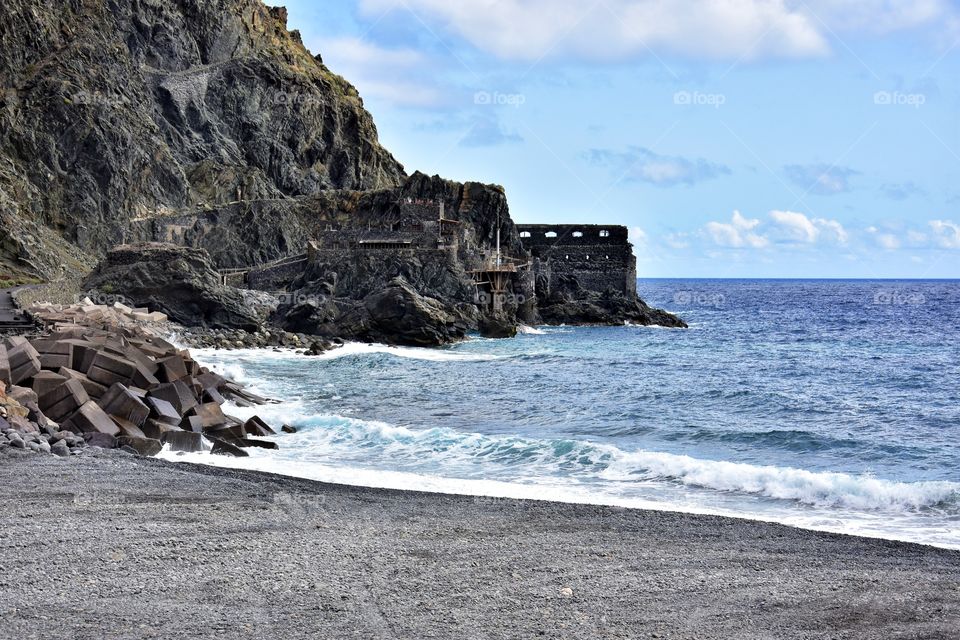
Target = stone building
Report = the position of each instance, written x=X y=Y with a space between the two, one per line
x=600 y=257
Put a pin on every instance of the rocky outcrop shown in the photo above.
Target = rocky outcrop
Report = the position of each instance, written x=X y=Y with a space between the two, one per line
x=113 y=111
x=609 y=308
x=178 y=281
x=394 y=314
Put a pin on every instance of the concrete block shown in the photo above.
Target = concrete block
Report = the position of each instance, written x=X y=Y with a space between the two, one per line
x=62 y=402
x=184 y=441
x=47 y=381
x=223 y=448
x=156 y=429
x=143 y=446
x=257 y=427
x=121 y=401
x=210 y=414
x=108 y=369
x=172 y=369
x=176 y=393
x=127 y=428
x=102 y=440
x=4 y=366
x=94 y=390
x=163 y=411
x=91 y=418
x=23 y=360
x=192 y=423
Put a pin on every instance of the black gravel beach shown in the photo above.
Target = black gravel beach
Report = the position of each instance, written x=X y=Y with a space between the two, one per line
x=116 y=546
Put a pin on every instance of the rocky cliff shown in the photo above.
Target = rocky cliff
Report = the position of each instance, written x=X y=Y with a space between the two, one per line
x=207 y=124
x=113 y=111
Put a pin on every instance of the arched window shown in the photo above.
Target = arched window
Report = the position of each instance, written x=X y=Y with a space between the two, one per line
x=578 y=234
x=604 y=233
x=524 y=234
x=551 y=234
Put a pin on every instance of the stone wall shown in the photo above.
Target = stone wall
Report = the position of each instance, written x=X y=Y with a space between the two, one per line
x=598 y=256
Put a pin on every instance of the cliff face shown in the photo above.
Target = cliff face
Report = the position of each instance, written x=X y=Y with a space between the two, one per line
x=113 y=111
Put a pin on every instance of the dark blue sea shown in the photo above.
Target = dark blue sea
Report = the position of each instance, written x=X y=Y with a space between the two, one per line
x=831 y=405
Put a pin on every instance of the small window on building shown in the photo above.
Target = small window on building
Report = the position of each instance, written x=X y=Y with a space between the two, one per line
x=578 y=234
x=524 y=234
x=551 y=234
x=604 y=233
x=588 y=256
x=566 y=257
x=606 y=257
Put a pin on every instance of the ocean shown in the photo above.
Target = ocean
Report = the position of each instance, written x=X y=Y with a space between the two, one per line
x=824 y=404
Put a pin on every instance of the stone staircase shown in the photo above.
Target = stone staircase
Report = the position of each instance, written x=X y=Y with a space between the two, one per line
x=12 y=318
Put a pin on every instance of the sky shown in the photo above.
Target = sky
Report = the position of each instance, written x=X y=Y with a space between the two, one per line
x=735 y=138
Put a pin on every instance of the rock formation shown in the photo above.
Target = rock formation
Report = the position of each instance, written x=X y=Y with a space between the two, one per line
x=112 y=111
x=178 y=281
x=207 y=124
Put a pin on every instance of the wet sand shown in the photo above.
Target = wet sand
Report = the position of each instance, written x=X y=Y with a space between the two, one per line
x=113 y=546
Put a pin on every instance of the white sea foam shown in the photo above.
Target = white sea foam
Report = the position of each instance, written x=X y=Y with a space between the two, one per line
x=414 y=353
x=326 y=439
x=534 y=331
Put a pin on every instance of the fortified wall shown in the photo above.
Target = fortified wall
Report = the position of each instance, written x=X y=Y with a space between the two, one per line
x=598 y=256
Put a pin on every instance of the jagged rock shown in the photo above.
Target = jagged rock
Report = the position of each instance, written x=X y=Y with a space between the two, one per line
x=179 y=281
x=581 y=306
x=398 y=314
x=183 y=105
x=498 y=327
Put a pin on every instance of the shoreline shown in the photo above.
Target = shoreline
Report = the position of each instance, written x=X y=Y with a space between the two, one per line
x=503 y=489
x=145 y=547
x=425 y=484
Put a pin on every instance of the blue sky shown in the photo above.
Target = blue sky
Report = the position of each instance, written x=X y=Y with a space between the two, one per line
x=736 y=138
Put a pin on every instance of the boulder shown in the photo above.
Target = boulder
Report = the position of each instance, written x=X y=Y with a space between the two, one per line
x=178 y=281
x=60 y=448
x=400 y=315
x=498 y=327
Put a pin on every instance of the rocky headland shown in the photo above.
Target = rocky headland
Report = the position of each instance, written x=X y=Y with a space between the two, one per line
x=209 y=167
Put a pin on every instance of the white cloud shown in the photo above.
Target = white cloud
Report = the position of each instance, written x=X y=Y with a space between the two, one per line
x=888 y=241
x=531 y=30
x=638 y=236
x=799 y=228
x=639 y=164
x=946 y=233
x=737 y=233
x=394 y=75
